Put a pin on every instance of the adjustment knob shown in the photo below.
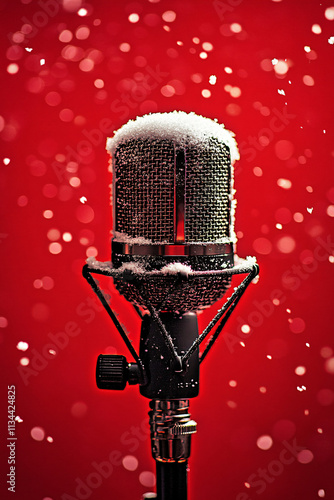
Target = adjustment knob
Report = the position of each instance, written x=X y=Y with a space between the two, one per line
x=113 y=372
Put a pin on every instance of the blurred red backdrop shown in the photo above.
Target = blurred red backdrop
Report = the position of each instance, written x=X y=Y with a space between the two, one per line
x=72 y=73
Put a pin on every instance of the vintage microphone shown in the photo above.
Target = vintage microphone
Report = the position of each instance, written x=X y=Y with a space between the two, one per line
x=172 y=255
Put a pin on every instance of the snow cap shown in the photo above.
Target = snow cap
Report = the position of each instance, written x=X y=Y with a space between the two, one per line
x=184 y=129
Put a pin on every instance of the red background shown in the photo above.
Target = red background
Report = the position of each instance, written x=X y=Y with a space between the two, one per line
x=60 y=101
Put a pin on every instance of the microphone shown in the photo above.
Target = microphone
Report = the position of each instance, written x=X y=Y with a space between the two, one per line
x=172 y=255
x=173 y=207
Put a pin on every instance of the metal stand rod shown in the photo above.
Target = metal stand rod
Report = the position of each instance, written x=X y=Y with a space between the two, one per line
x=171 y=480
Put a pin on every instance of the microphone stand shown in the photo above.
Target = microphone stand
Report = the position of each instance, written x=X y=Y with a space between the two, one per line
x=166 y=369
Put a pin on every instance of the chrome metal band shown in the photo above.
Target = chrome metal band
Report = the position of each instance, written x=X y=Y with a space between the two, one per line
x=187 y=249
x=171 y=429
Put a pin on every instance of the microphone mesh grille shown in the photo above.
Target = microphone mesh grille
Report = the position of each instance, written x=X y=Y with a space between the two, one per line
x=144 y=190
x=208 y=179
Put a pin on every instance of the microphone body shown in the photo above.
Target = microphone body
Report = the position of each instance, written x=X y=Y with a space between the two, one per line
x=173 y=207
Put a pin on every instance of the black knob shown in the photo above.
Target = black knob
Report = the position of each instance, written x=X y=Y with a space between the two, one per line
x=113 y=372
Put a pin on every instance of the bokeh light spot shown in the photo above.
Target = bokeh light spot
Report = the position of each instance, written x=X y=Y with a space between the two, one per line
x=297 y=325
x=316 y=29
x=53 y=98
x=300 y=370
x=169 y=16
x=147 y=478
x=257 y=171
x=233 y=109
x=14 y=53
x=67 y=236
x=286 y=244
x=264 y=442
x=329 y=365
x=38 y=283
x=79 y=409
x=196 y=77
x=130 y=462
x=75 y=182
x=71 y=5
x=85 y=214
x=207 y=46
x=206 y=93
x=99 y=83
x=281 y=67
x=22 y=346
x=3 y=322
x=83 y=12
x=284 y=149
x=91 y=252
x=330 y=210
x=308 y=80
x=47 y=283
x=86 y=237
x=55 y=248
x=72 y=53
x=86 y=65
x=53 y=234
x=235 y=92
x=22 y=201
x=18 y=36
x=305 y=456
x=326 y=352
x=82 y=33
x=266 y=65
x=236 y=28
x=329 y=13
x=298 y=217
x=65 y=36
x=37 y=433
x=133 y=18
x=12 y=68
x=262 y=246
x=125 y=47
x=66 y=115
x=167 y=90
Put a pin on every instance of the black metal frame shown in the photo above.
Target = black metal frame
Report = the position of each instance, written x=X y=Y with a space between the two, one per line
x=252 y=270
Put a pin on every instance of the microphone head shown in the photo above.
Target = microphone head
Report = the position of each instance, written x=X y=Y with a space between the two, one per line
x=173 y=208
